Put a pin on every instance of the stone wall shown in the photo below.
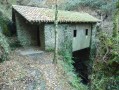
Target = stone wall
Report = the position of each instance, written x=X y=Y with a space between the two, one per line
x=64 y=31
x=28 y=35
x=42 y=36
x=83 y=36
x=65 y=34
x=26 y=31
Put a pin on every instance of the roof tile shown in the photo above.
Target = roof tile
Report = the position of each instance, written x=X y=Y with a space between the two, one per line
x=36 y=14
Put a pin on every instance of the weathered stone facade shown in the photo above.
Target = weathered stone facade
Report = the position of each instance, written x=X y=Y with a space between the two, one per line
x=65 y=35
x=35 y=27
x=43 y=35
x=64 y=30
x=83 y=36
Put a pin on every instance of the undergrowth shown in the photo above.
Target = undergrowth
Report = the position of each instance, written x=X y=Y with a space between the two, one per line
x=105 y=74
x=69 y=69
x=72 y=77
x=4 y=46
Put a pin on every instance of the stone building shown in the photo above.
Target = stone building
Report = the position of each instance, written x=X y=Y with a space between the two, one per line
x=35 y=27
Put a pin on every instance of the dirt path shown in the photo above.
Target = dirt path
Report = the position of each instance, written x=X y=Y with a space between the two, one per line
x=19 y=74
x=31 y=72
x=48 y=69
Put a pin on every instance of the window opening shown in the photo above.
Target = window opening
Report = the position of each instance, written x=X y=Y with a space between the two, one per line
x=75 y=33
x=86 y=33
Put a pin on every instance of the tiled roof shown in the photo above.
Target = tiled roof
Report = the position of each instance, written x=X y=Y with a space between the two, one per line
x=35 y=14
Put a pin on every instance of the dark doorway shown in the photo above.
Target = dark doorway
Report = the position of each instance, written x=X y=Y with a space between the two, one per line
x=81 y=59
x=38 y=37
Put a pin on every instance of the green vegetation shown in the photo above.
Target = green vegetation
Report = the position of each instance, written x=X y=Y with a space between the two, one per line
x=105 y=74
x=4 y=25
x=5 y=8
x=116 y=21
x=4 y=46
x=105 y=53
x=14 y=44
x=104 y=5
x=69 y=69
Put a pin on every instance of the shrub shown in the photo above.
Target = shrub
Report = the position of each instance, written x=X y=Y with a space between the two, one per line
x=5 y=47
x=72 y=77
x=5 y=31
x=105 y=74
x=15 y=45
x=4 y=25
x=67 y=64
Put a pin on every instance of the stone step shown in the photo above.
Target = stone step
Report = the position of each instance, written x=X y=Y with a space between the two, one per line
x=30 y=52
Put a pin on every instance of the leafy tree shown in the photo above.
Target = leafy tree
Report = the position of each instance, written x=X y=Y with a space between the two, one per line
x=106 y=64
x=106 y=5
x=105 y=74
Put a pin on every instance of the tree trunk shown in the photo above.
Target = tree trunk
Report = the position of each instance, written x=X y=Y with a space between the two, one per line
x=116 y=21
x=56 y=35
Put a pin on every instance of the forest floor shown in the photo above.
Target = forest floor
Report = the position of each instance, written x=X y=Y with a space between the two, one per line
x=32 y=72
